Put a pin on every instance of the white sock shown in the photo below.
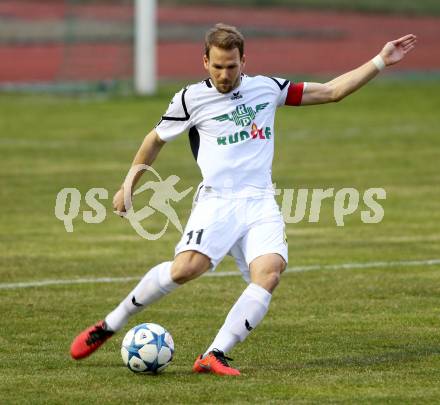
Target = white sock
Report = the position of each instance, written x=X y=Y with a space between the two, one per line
x=155 y=284
x=244 y=316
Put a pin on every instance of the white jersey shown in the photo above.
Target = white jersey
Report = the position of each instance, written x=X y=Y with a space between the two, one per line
x=232 y=134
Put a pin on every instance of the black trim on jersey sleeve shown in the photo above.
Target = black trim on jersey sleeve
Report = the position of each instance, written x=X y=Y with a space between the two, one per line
x=281 y=86
x=194 y=141
x=185 y=118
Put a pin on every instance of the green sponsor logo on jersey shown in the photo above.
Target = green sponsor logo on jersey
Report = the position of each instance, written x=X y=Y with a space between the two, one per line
x=255 y=133
x=242 y=116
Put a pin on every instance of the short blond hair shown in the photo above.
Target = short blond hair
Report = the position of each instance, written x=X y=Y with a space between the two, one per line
x=225 y=37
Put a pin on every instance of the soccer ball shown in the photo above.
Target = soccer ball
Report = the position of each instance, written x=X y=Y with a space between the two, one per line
x=147 y=348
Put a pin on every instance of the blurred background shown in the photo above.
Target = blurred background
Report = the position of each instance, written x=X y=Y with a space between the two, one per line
x=88 y=44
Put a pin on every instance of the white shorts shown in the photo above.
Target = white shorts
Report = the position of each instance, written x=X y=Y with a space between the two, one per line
x=244 y=228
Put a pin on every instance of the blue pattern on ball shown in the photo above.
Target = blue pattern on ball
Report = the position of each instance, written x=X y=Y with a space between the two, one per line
x=158 y=340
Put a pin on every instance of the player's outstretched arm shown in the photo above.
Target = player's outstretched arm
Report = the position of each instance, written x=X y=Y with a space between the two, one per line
x=146 y=155
x=342 y=86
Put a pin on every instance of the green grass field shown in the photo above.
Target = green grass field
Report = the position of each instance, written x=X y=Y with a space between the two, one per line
x=353 y=335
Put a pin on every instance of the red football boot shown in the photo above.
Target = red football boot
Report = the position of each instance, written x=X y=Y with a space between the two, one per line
x=90 y=340
x=214 y=362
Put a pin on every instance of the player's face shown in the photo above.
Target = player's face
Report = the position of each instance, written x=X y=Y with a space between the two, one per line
x=224 y=68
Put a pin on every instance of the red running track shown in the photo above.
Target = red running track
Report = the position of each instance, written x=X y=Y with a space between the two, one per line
x=359 y=38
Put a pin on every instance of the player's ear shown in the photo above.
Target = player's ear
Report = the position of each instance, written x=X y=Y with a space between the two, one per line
x=205 y=62
x=243 y=61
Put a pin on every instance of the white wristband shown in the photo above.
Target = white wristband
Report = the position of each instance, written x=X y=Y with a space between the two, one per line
x=378 y=62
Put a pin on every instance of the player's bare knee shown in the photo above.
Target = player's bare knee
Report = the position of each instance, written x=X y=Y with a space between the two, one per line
x=188 y=266
x=283 y=265
x=182 y=272
x=268 y=279
x=273 y=277
x=266 y=271
x=278 y=269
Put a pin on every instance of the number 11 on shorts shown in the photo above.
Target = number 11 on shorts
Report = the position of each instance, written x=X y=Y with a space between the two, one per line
x=199 y=234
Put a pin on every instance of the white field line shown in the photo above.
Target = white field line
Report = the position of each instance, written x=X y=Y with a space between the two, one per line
x=296 y=269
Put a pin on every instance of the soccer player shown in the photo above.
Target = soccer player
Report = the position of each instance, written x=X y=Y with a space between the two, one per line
x=230 y=119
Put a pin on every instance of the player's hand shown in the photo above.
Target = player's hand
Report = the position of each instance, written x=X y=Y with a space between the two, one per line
x=394 y=51
x=119 y=203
